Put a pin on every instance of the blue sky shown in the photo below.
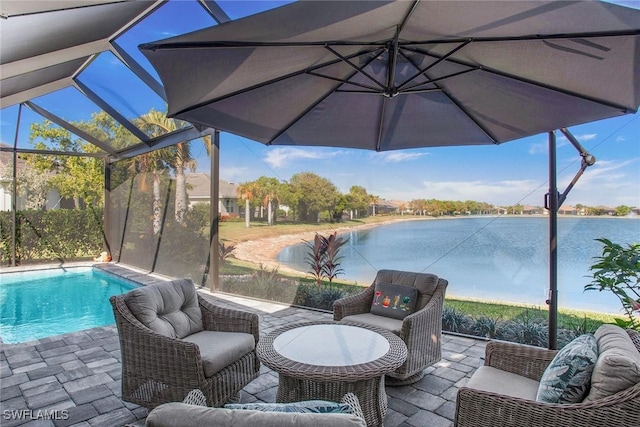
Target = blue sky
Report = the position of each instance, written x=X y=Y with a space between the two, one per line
x=514 y=172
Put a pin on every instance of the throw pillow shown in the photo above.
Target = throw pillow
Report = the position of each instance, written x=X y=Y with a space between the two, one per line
x=568 y=376
x=307 y=406
x=395 y=301
x=618 y=365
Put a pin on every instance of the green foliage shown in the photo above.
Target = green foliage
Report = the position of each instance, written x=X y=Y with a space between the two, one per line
x=618 y=271
x=454 y=320
x=59 y=234
x=312 y=194
x=323 y=257
x=320 y=298
x=225 y=251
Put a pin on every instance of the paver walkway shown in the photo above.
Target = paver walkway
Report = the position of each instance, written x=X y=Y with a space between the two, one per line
x=75 y=378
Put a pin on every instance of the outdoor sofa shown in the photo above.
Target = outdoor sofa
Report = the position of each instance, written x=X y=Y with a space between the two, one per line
x=346 y=413
x=505 y=390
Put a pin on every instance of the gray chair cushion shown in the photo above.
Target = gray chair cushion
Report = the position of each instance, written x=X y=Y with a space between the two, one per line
x=387 y=323
x=488 y=378
x=425 y=283
x=220 y=349
x=395 y=301
x=168 y=308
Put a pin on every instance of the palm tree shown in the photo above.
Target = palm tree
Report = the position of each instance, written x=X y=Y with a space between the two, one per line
x=247 y=191
x=156 y=123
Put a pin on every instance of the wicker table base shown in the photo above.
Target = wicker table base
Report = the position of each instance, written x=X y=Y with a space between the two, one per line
x=361 y=372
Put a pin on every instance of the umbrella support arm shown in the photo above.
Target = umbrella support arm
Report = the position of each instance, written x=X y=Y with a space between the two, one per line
x=553 y=201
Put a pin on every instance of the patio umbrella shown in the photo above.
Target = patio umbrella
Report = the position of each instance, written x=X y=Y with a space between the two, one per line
x=386 y=75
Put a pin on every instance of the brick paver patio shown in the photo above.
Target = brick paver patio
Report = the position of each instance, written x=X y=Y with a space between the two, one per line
x=75 y=378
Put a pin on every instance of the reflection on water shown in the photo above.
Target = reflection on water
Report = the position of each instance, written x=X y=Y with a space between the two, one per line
x=504 y=258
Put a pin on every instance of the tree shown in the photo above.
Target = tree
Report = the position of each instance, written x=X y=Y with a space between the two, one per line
x=269 y=192
x=313 y=194
x=156 y=123
x=357 y=200
x=247 y=191
x=75 y=177
x=623 y=210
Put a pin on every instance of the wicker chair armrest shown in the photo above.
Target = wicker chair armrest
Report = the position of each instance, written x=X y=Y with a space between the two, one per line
x=353 y=304
x=525 y=360
x=153 y=355
x=476 y=408
x=426 y=322
x=216 y=318
x=635 y=337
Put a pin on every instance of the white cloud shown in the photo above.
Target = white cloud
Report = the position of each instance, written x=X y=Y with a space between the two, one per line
x=234 y=174
x=561 y=141
x=396 y=156
x=283 y=156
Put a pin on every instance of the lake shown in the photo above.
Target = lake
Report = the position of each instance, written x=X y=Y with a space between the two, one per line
x=487 y=258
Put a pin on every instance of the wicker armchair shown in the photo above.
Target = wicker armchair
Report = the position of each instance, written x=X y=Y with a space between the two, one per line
x=421 y=331
x=478 y=408
x=219 y=359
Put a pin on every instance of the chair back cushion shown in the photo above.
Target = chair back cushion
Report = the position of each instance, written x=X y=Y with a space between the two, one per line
x=425 y=283
x=618 y=364
x=395 y=301
x=168 y=308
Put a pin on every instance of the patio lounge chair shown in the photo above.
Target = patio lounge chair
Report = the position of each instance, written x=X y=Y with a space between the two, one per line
x=421 y=330
x=503 y=392
x=173 y=341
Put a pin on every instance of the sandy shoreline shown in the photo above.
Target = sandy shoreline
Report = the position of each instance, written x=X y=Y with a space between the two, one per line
x=264 y=251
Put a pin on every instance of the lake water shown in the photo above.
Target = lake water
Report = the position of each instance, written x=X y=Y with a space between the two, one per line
x=488 y=258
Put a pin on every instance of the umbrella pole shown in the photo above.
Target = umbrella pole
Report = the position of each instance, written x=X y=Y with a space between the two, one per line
x=552 y=206
x=553 y=201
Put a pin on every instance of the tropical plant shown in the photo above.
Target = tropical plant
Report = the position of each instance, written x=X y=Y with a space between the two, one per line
x=331 y=267
x=225 y=251
x=618 y=271
x=454 y=320
x=316 y=256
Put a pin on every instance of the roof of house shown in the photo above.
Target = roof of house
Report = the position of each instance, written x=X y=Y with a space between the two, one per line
x=198 y=185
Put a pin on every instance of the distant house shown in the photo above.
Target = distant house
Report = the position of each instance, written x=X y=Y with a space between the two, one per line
x=384 y=207
x=53 y=199
x=567 y=210
x=199 y=186
x=533 y=210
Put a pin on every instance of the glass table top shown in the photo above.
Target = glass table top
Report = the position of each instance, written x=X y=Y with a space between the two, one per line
x=331 y=345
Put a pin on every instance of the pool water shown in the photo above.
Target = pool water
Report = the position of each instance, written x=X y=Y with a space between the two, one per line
x=44 y=303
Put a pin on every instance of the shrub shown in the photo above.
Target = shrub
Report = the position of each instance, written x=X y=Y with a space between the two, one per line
x=454 y=320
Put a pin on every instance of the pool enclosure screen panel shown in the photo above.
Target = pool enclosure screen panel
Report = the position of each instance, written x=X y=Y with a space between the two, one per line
x=147 y=231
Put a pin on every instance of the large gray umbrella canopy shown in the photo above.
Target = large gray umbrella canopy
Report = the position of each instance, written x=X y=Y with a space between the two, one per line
x=404 y=74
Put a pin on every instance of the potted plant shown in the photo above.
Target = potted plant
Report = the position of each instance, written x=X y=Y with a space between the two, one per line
x=618 y=271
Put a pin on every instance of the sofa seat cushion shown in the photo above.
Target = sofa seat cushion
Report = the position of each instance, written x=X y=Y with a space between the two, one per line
x=220 y=349
x=568 y=376
x=487 y=378
x=618 y=364
x=168 y=308
x=304 y=407
x=387 y=323
x=184 y=415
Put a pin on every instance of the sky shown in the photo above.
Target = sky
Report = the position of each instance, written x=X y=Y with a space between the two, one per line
x=512 y=173
x=507 y=174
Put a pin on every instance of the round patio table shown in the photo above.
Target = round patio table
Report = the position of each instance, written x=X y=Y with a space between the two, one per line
x=326 y=360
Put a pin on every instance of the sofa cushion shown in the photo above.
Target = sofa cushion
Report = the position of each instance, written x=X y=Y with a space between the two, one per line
x=183 y=415
x=305 y=407
x=395 y=301
x=425 y=283
x=387 y=323
x=618 y=364
x=168 y=308
x=220 y=349
x=488 y=378
x=568 y=376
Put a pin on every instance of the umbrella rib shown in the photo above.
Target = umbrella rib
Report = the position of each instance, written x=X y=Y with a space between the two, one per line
x=311 y=107
x=275 y=80
x=461 y=108
x=344 y=81
x=448 y=76
x=381 y=124
x=528 y=81
x=354 y=66
x=529 y=37
x=444 y=57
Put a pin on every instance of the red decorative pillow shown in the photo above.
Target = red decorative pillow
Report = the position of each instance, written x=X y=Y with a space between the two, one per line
x=395 y=301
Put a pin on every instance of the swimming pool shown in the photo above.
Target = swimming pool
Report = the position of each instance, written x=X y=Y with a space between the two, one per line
x=38 y=304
